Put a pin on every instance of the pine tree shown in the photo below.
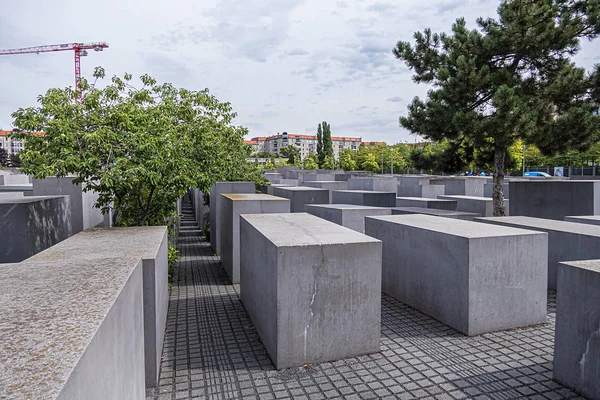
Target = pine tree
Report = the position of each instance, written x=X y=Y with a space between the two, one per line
x=511 y=79
x=327 y=142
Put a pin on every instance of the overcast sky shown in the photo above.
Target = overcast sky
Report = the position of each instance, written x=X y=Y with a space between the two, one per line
x=285 y=65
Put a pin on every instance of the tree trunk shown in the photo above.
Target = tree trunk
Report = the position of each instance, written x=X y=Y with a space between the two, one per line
x=498 y=194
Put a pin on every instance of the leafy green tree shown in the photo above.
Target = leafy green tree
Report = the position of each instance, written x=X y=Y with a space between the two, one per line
x=292 y=154
x=512 y=78
x=140 y=149
x=310 y=162
x=370 y=163
x=320 y=152
x=329 y=162
x=3 y=157
x=327 y=142
x=347 y=158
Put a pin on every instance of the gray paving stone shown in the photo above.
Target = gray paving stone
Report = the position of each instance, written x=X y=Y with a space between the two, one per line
x=212 y=345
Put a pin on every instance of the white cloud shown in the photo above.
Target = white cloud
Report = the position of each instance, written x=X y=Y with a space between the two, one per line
x=285 y=65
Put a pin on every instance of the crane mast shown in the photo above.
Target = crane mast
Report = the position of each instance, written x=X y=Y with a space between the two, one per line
x=79 y=50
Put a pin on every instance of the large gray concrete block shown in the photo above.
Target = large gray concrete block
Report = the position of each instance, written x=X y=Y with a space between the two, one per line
x=475 y=204
x=412 y=180
x=311 y=287
x=584 y=219
x=215 y=205
x=364 y=198
x=318 y=177
x=269 y=189
x=31 y=224
x=577 y=334
x=301 y=196
x=201 y=210
x=462 y=186
x=272 y=176
x=8 y=178
x=26 y=189
x=488 y=190
x=150 y=243
x=351 y=216
x=233 y=205
x=567 y=241
x=329 y=185
x=435 y=212
x=554 y=199
x=376 y=184
x=283 y=170
x=83 y=213
x=470 y=277
x=427 y=191
x=423 y=202
x=290 y=182
x=72 y=329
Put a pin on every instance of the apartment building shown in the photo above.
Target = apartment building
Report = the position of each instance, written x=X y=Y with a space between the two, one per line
x=10 y=144
x=306 y=144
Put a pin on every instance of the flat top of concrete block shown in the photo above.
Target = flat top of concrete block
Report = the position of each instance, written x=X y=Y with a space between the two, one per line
x=590 y=265
x=460 y=197
x=585 y=217
x=423 y=199
x=547 y=224
x=336 y=182
x=98 y=243
x=346 y=207
x=421 y=210
x=50 y=313
x=281 y=185
x=251 y=196
x=303 y=189
x=23 y=187
x=303 y=229
x=456 y=227
x=26 y=199
x=362 y=191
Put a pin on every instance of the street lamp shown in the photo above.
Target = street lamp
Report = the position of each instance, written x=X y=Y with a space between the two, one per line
x=524 y=148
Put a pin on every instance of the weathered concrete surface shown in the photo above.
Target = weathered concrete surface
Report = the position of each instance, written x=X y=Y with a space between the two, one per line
x=318 y=177
x=412 y=180
x=326 y=306
x=269 y=189
x=72 y=329
x=329 y=185
x=215 y=205
x=428 y=191
x=291 y=182
x=577 y=337
x=271 y=176
x=301 y=196
x=435 y=212
x=584 y=219
x=423 y=202
x=554 y=199
x=462 y=186
x=283 y=170
x=26 y=189
x=475 y=204
x=567 y=241
x=150 y=243
x=233 y=205
x=351 y=216
x=472 y=278
x=364 y=198
x=83 y=213
x=488 y=190
x=8 y=178
x=376 y=184
x=31 y=224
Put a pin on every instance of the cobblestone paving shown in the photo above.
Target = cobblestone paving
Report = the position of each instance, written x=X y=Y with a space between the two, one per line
x=212 y=350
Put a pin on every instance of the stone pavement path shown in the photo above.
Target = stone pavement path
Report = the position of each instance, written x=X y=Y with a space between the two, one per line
x=212 y=350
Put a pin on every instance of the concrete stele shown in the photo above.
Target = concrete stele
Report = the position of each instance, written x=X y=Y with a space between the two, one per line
x=235 y=205
x=567 y=241
x=472 y=278
x=326 y=307
x=351 y=216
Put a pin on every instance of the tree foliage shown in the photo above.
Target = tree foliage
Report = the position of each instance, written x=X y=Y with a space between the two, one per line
x=292 y=154
x=3 y=157
x=513 y=78
x=347 y=159
x=140 y=149
x=370 y=163
x=310 y=162
x=320 y=152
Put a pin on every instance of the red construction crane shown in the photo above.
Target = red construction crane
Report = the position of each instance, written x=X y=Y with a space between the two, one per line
x=80 y=50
